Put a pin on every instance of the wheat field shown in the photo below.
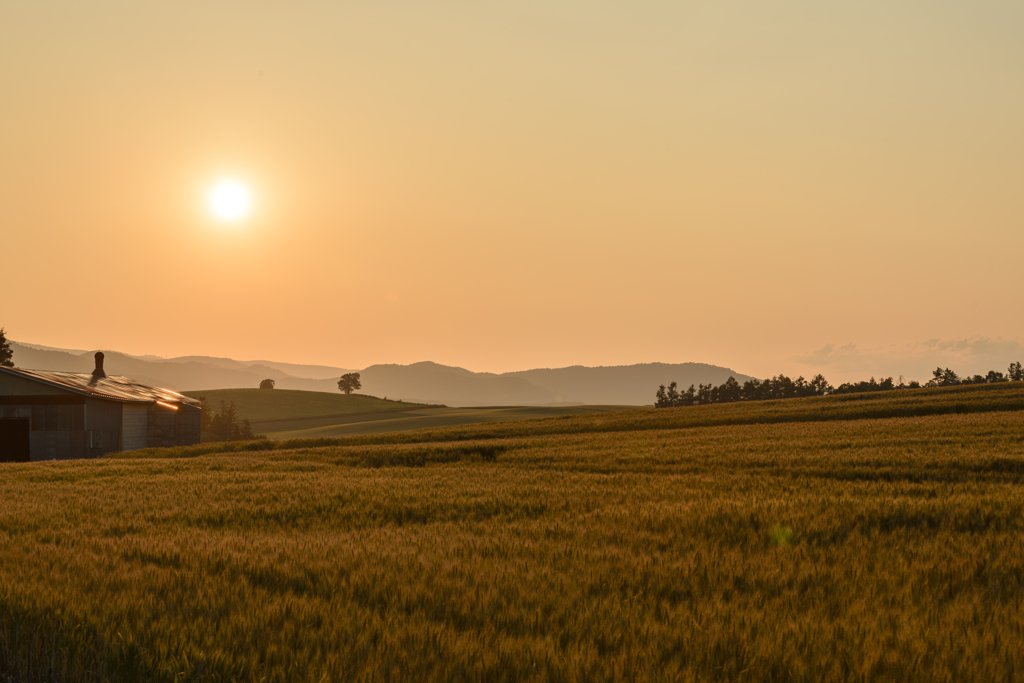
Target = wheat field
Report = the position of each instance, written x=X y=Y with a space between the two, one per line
x=819 y=550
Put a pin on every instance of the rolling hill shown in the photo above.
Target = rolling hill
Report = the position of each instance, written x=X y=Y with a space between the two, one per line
x=288 y=404
x=288 y=414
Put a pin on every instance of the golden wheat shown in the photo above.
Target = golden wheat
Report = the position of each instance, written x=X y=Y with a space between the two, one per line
x=886 y=550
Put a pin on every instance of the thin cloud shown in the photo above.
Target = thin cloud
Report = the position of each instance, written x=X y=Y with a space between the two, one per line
x=976 y=355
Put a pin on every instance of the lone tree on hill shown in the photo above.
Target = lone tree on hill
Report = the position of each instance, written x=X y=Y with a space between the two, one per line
x=350 y=382
x=6 y=353
x=267 y=384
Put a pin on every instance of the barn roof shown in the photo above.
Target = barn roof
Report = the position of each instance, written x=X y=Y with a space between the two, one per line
x=121 y=389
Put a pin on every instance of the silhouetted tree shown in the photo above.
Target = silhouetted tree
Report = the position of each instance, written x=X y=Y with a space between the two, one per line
x=783 y=387
x=221 y=422
x=993 y=377
x=224 y=425
x=751 y=390
x=267 y=384
x=820 y=386
x=6 y=352
x=350 y=382
x=669 y=398
x=672 y=397
x=730 y=392
x=1016 y=372
x=943 y=378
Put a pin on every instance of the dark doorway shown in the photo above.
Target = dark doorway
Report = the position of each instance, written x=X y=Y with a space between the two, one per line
x=14 y=441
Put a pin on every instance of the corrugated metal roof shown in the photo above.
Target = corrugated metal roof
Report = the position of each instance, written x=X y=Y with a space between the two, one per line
x=122 y=389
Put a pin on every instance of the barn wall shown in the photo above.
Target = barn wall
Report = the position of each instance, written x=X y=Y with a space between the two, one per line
x=169 y=427
x=188 y=426
x=16 y=412
x=56 y=422
x=163 y=426
x=57 y=445
x=134 y=426
x=57 y=431
x=103 y=421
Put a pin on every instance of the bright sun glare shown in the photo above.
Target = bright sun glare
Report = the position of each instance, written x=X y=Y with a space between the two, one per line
x=230 y=200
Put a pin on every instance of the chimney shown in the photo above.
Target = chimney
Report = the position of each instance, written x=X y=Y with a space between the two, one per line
x=98 y=372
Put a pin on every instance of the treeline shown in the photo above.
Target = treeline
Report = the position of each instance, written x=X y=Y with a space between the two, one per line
x=948 y=378
x=732 y=391
x=784 y=387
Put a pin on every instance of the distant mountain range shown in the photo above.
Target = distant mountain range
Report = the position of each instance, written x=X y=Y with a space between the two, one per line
x=424 y=382
x=184 y=373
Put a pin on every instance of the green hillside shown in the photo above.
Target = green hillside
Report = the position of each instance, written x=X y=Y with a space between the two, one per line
x=416 y=417
x=284 y=414
x=283 y=404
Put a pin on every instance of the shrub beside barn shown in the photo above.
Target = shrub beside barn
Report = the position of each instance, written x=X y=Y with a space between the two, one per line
x=48 y=415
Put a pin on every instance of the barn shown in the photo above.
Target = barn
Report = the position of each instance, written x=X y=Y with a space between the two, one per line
x=59 y=415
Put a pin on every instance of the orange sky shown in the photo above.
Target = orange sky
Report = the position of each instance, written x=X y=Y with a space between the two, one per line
x=511 y=185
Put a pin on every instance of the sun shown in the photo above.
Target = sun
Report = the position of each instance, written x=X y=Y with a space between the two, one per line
x=230 y=200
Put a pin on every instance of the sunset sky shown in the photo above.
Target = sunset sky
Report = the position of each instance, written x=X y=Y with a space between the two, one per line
x=770 y=186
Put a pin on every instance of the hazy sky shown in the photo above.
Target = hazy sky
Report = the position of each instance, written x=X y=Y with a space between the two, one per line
x=771 y=186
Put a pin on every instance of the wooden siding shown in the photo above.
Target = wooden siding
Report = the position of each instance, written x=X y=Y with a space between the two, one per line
x=16 y=412
x=134 y=427
x=103 y=420
x=63 y=431
x=57 y=445
x=188 y=425
x=163 y=426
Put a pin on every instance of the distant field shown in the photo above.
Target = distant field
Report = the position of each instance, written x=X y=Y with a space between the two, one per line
x=266 y=404
x=856 y=538
x=283 y=414
x=584 y=419
x=413 y=418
